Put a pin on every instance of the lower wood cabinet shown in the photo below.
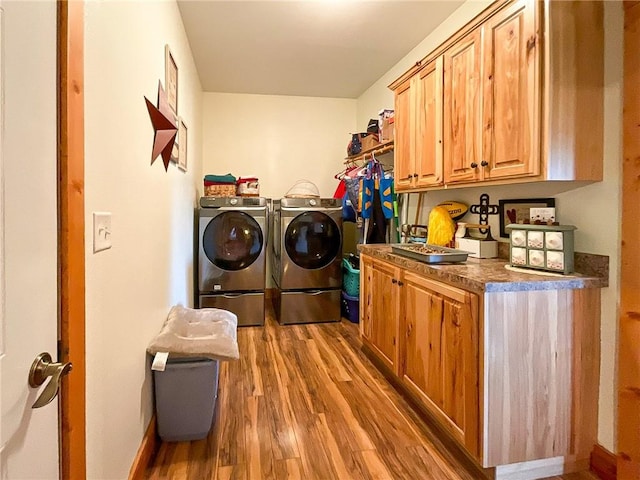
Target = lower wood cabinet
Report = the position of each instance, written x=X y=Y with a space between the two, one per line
x=440 y=354
x=380 y=309
x=511 y=375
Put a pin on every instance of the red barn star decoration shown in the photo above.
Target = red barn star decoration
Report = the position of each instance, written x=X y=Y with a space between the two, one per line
x=164 y=127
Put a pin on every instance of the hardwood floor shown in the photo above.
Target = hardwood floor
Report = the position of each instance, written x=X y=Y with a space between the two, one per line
x=303 y=402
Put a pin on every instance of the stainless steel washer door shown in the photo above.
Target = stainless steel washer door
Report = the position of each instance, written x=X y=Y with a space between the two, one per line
x=232 y=252
x=311 y=251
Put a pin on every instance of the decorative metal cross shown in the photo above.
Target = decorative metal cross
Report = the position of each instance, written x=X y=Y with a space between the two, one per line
x=484 y=209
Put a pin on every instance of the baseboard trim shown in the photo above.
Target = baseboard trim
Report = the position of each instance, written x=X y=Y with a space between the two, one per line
x=603 y=463
x=148 y=448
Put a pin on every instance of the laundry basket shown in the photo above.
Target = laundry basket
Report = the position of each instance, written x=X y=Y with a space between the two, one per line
x=350 y=307
x=350 y=278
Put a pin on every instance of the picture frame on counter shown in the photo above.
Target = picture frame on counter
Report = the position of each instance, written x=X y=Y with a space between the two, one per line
x=516 y=210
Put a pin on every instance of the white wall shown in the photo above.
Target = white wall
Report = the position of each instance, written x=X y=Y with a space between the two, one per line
x=378 y=96
x=594 y=209
x=130 y=288
x=279 y=139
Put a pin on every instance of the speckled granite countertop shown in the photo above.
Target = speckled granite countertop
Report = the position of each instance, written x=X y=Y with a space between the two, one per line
x=490 y=275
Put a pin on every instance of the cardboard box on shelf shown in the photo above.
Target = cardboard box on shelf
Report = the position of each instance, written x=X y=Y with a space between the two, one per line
x=386 y=130
x=385 y=120
x=370 y=141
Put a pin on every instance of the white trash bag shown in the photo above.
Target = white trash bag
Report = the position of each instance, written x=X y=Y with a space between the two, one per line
x=204 y=332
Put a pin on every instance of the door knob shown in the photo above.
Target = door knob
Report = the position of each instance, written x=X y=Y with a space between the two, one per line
x=41 y=368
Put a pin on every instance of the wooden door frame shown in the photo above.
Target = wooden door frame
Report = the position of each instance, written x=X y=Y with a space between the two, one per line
x=71 y=247
x=628 y=441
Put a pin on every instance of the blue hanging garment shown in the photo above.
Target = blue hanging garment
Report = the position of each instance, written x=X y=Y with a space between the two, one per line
x=367 y=187
x=386 y=197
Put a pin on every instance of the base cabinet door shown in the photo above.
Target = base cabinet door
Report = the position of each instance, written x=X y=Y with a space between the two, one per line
x=440 y=361
x=380 y=306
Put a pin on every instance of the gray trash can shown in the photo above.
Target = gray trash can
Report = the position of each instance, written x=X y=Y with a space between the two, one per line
x=186 y=393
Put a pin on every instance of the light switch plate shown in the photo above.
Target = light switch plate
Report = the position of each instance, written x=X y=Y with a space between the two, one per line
x=101 y=231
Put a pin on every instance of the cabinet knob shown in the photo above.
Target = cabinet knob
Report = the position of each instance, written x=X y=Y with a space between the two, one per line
x=474 y=165
x=400 y=283
x=484 y=163
x=415 y=174
x=393 y=280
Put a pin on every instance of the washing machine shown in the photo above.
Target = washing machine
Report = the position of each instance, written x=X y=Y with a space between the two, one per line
x=307 y=256
x=231 y=256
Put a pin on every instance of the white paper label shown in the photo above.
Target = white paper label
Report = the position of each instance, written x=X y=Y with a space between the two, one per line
x=160 y=361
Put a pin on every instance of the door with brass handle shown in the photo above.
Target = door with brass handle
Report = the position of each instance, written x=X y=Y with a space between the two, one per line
x=41 y=368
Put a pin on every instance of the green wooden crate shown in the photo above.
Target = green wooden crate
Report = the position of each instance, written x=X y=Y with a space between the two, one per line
x=542 y=247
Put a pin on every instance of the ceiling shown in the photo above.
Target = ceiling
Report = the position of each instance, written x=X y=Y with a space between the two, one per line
x=318 y=48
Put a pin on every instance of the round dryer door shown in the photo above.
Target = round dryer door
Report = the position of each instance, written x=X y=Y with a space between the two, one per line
x=312 y=240
x=232 y=240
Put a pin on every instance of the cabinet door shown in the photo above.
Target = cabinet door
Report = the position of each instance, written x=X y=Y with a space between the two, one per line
x=384 y=307
x=403 y=137
x=441 y=354
x=428 y=140
x=366 y=294
x=511 y=91
x=462 y=139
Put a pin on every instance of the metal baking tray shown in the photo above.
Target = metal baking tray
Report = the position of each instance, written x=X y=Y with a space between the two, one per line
x=429 y=253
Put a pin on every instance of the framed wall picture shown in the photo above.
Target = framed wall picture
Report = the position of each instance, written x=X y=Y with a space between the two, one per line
x=175 y=151
x=171 y=79
x=515 y=210
x=182 y=147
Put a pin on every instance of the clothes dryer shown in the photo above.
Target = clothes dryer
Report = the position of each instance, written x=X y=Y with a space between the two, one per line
x=231 y=256
x=307 y=256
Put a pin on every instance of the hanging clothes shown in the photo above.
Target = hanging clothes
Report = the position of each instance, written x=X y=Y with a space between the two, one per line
x=386 y=196
x=376 y=225
x=341 y=189
x=377 y=232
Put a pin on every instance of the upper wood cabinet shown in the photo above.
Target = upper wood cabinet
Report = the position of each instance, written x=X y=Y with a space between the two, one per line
x=418 y=129
x=511 y=93
x=462 y=110
x=403 y=136
x=522 y=98
x=492 y=99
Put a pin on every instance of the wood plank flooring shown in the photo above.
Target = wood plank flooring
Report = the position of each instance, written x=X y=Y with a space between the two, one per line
x=303 y=402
